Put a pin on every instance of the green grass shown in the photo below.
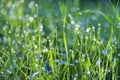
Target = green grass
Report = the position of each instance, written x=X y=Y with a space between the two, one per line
x=59 y=40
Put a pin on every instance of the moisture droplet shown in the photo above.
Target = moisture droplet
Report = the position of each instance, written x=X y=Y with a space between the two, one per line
x=87 y=30
x=35 y=46
x=99 y=24
x=31 y=19
x=9 y=71
x=88 y=72
x=98 y=61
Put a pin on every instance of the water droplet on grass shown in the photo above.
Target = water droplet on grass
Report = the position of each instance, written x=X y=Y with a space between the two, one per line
x=72 y=22
x=80 y=13
x=35 y=46
x=57 y=61
x=36 y=5
x=62 y=62
x=9 y=71
x=88 y=30
x=76 y=61
x=99 y=24
x=104 y=52
x=2 y=72
x=71 y=64
x=31 y=19
x=98 y=61
x=31 y=3
x=33 y=75
x=119 y=55
x=36 y=65
x=88 y=72
x=86 y=37
x=44 y=50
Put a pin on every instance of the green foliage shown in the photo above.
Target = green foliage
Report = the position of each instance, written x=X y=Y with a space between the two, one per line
x=59 y=40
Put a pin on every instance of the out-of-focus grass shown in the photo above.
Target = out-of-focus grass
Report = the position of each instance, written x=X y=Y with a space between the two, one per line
x=57 y=40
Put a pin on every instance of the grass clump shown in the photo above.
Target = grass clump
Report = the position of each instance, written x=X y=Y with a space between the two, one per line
x=59 y=40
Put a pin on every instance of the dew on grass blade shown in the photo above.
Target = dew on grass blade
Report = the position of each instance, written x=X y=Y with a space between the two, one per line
x=62 y=62
x=9 y=31
x=31 y=4
x=118 y=54
x=86 y=37
x=36 y=65
x=75 y=78
x=31 y=19
x=41 y=56
x=88 y=72
x=93 y=18
x=9 y=71
x=72 y=22
x=35 y=16
x=13 y=50
x=33 y=75
x=99 y=28
x=22 y=1
x=80 y=13
x=36 y=5
x=104 y=52
x=41 y=27
x=70 y=50
x=5 y=39
x=83 y=57
x=2 y=72
x=36 y=60
x=88 y=30
x=44 y=50
x=71 y=64
x=35 y=46
x=3 y=48
x=78 y=44
x=5 y=27
x=22 y=35
x=93 y=27
x=2 y=62
x=76 y=61
x=99 y=24
x=70 y=16
x=76 y=75
x=77 y=26
x=98 y=61
x=57 y=61
x=94 y=39
x=33 y=38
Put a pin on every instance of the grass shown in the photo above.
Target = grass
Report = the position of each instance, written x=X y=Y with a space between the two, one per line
x=59 y=40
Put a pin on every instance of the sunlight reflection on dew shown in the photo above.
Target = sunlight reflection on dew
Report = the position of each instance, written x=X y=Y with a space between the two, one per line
x=99 y=24
x=104 y=52
x=98 y=61
x=36 y=5
x=88 y=72
x=31 y=19
x=31 y=4
x=88 y=30
x=2 y=72
x=36 y=65
x=76 y=61
x=44 y=50
x=80 y=13
x=86 y=37
x=9 y=71
x=41 y=27
x=72 y=22
x=35 y=46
